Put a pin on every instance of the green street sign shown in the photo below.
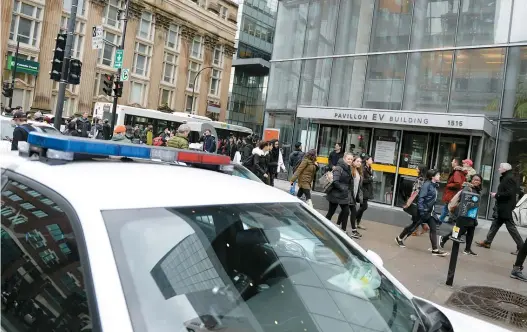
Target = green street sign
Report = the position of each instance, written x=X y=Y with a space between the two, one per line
x=118 y=63
x=23 y=66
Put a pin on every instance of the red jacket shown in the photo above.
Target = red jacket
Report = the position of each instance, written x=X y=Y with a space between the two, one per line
x=454 y=184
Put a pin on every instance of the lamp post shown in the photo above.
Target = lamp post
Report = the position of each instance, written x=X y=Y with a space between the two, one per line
x=194 y=87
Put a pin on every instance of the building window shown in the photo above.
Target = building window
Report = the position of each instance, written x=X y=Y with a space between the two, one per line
x=81 y=7
x=224 y=12
x=217 y=58
x=78 y=37
x=35 y=239
x=142 y=59
x=169 y=67
x=111 y=13
x=146 y=26
x=49 y=256
x=69 y=107
x=197 y=47
x=107 y=54
x=190 y=101
x=193 y=70
x=173 y=37
x=55 y=232
x=215 y=80
x=25 y=23
x=137 y=93
x=165 y=97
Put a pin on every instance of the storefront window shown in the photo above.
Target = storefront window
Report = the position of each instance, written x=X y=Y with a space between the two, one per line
x=328 y=136
x=385 y=149
x=357 y=140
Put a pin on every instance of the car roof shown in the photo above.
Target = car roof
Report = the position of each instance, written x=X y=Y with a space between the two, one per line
x=114 y=184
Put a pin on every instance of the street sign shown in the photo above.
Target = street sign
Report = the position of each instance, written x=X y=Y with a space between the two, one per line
x=118 y=63
x=97 y=41
x=23 y=66
x=125 y=74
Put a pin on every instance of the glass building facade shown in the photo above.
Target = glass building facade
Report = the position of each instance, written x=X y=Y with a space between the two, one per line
x=250 y=72
x=405 y=81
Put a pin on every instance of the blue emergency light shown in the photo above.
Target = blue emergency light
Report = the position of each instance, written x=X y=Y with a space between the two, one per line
x=66 y=147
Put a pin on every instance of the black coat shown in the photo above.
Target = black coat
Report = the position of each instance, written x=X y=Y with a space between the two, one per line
x=367 y=182
x=340 y=191
x=506 y=195
x=274 y=154
x=334 y=158
x=260 y=165
x=246 y=151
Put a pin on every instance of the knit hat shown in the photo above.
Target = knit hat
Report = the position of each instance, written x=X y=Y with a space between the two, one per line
x=119 y=129
x=506 y=166
x=468 y=162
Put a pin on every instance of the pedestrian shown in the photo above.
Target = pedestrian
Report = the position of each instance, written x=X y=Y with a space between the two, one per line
x=517 y=268
x=209 y=142
x=274 y=156
x=305 y=174
x=38 y=117
x=294 y=161
x=149 y=135
x=506 y=198
x=339 y=193
x=425 y=206
x=180 y=140
x=106 y=130
x=455 y=181
x=356 y=194
x=367 y=187
x=71 y=129
x=466 y=225
x=246 y=149
x=260 y=162
x=119 y=134
x=83 y=125
x=468 y=169
x=410 y=206
x=335 y=156
x=22 y=129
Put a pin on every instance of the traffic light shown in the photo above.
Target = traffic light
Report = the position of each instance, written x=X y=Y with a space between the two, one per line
x=108 y=83
x=58 y=57
x=74 y=72
x=118 y=89
x=7 y=91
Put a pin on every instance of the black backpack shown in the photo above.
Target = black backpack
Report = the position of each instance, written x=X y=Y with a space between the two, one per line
x=249 y=161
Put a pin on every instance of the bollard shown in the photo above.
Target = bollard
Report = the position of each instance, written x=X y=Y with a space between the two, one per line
x=453 y=260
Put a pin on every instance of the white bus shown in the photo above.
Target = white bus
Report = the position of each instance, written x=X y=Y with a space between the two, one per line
x=132 y=116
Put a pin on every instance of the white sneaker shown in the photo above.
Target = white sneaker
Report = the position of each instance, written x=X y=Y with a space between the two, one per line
x=309 y=202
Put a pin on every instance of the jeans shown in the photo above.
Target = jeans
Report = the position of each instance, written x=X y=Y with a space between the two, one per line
x=513 y=231
x=306 y=192
x=462 y=230
x=363 y=207
x=343 y=215
x=520 y=259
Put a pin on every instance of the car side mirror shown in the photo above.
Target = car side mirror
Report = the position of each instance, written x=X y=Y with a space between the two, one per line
x=374 y=257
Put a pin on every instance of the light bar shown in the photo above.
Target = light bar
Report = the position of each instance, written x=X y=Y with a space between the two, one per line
x=64 y=148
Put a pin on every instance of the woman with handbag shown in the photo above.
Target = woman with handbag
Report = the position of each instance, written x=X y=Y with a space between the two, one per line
x=339 y=191
x=465 y=224
x=305 y=174
x=356 y=194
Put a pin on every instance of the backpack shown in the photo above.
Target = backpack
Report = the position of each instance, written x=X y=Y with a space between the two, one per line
x=519 y=214
x=249 y=161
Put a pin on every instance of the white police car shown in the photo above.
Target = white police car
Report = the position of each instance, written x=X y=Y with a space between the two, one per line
x=132 y=244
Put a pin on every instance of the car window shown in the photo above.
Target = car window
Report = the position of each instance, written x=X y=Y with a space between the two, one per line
x=248 y=267
x=49 y=130
x=43 y=287
x=7 y=129
x=243 y=172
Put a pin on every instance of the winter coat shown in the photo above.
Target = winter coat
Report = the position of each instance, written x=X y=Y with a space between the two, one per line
x=340 y=191
x=305 y=173
x=209 y=144
x=506 y=195
x=454 y=184
x=83 y=127
x=367 y=182
x=260 y=164
x=427 y=198
x=274 y=154
x=106 y=131
x=246 y=151
x=334 y=158
x=178 y=142
x=295 y=158
x=469 y=173
x=121 y=138
x=354 y=200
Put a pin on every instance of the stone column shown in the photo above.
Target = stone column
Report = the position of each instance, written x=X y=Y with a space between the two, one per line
x=89 y=58
x=187 y=34
x=210 y=43
x=229 y=51
x=129 y=46
x=156 y=65
x=50 y=29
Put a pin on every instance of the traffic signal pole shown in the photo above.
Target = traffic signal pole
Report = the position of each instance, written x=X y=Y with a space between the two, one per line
x=118 y=78
x=65 y=64
x=13 y=75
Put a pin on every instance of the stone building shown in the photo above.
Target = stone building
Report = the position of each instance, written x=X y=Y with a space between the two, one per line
x=167 y=43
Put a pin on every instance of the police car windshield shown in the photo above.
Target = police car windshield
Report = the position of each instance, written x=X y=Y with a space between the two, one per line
x=248 y=267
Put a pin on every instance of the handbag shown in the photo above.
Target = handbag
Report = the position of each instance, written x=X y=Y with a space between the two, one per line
x=519 y=214
x=326 y=181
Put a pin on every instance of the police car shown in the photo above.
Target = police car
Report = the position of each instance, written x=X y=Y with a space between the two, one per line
x=101 y=236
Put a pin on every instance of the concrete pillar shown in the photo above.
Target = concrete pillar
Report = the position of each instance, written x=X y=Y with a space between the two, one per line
x=44 y=85
x=511 y=82
x=225 y=82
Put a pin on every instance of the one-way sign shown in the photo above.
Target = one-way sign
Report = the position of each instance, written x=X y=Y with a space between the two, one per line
x=97 y=38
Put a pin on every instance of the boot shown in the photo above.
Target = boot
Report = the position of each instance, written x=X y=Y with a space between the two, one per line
x=309 y=202
x=516 y=273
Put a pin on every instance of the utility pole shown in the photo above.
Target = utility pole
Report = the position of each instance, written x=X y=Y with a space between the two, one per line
x=65 y=64
x=13 y=75
x=118 y=78
x=194 y=88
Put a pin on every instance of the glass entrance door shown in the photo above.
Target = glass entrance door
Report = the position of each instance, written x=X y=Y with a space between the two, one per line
x=448 y=148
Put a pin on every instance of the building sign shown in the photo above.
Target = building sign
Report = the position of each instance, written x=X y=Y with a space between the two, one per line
x=404 y=118
x=23 y=66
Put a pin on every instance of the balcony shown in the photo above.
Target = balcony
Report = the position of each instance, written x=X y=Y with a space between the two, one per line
x=214 y=7
x=232 y=18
